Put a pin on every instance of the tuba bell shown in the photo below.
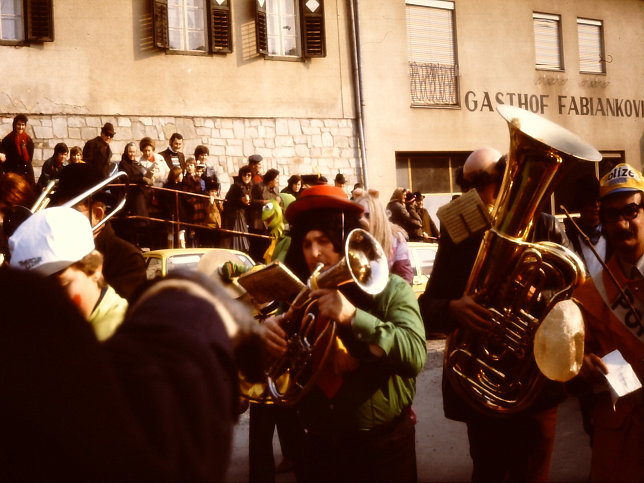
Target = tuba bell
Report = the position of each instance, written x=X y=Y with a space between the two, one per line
x=518 y=281
x=310 y=341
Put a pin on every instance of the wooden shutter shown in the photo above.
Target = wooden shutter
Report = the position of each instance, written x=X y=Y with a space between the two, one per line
x=261 y=36
x=313 y=35
x=160 y=23
x=40 y=21
x=221 y=38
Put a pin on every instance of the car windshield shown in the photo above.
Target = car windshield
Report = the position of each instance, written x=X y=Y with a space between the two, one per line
x=425 y=257
x=182 y=262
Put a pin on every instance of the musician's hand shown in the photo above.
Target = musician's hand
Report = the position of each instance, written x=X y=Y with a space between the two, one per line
x=274 y=336
x=470 y=314
x=334 y=306
x=593 y=369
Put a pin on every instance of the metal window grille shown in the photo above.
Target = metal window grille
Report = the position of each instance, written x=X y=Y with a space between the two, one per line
x=433 y=72
x=591 y=51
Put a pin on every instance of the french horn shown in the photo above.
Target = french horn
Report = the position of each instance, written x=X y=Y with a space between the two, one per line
x=518 y=281
x=310 y=340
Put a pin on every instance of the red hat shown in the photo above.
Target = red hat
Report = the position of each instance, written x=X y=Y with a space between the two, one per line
x=321 y=196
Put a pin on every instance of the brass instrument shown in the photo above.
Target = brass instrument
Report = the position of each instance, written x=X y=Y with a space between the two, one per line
x=86 y=194
x=518 y=281
x=310 y=343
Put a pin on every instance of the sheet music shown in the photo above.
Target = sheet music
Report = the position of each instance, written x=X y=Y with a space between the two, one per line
x=273 y=282
x=621 y=377
x=464 y=216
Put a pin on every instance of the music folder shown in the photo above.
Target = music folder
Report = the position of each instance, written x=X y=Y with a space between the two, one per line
x=273 y=282
x=464 y=216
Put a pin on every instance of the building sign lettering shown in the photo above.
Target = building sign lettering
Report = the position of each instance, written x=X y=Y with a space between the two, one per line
x=565 y=105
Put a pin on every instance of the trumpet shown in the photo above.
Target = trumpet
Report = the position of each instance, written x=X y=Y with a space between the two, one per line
x=86 y=194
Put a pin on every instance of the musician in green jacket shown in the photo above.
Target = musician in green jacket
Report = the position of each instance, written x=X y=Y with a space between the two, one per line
x=358 y=421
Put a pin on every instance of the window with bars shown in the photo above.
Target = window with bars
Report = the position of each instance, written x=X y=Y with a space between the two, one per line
x=26 y=21
x=433 y=69
x=193 y=26
x=591 y=46
x=547 y=41
x=290 y=28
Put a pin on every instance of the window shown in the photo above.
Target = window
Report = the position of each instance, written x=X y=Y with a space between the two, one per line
x=431 y=53
x=26 y=21
x=290 y=28
x=547 y=41
x=591 y=46
x=195 y=26
x=429 y=172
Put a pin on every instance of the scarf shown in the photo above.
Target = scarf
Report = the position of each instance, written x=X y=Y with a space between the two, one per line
x=592 y=232
x=21 y=145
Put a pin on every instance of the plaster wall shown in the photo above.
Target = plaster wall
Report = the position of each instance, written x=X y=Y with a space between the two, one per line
x=495 y=49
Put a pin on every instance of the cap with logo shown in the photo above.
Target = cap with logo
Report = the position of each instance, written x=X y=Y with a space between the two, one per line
x=621 y=178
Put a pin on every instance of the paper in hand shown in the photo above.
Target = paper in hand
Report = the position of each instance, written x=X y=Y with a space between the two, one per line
x=621 y=377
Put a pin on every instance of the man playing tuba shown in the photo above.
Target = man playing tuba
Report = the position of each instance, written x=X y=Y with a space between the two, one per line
x=358 y=418
x=516 y=447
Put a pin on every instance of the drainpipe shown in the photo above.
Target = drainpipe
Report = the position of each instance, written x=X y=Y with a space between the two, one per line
x=357 y=84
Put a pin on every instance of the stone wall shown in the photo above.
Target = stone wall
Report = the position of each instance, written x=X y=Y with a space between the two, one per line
x=294 y=146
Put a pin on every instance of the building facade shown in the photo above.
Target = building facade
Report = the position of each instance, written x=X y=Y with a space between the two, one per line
x=389 y=92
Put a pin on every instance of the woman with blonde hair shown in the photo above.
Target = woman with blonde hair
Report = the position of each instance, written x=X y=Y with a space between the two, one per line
x=391 y=237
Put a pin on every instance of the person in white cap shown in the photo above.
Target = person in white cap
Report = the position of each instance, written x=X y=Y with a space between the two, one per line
x=614 y=324
x=58 y=242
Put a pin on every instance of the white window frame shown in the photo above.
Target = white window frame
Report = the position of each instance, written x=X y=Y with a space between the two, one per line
x=184 y=30
x=590 y=38
x=17 y=17
x=282 y=27
x=548 y=41
x=431 y=41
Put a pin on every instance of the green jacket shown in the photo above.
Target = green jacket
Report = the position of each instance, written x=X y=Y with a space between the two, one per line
x=381 y=387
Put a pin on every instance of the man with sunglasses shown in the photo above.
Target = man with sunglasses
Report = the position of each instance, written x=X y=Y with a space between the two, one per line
x=615 y=323
x=97 y=152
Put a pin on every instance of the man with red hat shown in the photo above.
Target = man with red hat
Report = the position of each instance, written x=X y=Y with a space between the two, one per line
x=613 y=318
x=357 y=418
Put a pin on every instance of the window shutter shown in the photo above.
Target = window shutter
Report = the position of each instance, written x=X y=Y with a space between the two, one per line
x=547 y=42
x=40 y=21
x=589 y=33
x=160 y=19
x=221 y=39
x=313 y=35
x=261 y=37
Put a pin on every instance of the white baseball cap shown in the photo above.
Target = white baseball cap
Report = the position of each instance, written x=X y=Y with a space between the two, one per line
x=51 y=240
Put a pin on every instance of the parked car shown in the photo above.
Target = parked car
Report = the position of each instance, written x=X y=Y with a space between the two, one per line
x=422 y=257
x=160 y=263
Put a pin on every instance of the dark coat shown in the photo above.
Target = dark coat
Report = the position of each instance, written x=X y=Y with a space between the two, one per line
x=14 y=162
x=123 y=265
x=97 y=153
x=168 y=155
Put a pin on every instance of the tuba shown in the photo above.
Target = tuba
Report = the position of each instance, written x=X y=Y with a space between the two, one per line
x=310 y=341
x=518 y=281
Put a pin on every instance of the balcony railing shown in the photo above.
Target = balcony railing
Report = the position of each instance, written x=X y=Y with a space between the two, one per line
x=433 y=84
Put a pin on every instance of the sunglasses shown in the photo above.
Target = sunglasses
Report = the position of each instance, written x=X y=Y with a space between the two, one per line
x=627 y=213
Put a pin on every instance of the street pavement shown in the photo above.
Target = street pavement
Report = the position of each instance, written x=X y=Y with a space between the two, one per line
x=441 y=445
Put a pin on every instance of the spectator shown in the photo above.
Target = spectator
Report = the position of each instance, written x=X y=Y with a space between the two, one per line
x=156 y=168
x=357 y=186
x=97 y=152
x=255 y=163
x=234 y=215
x=430 y=231
x=261 y=194
x=340 y=181
x=293 y=185
x=137 y=198
x=53 y=166
x=18 y=149
x=195 y=205
x=398 y=213
x=414 y=225
x=16 y=200
x=76 y=155
x=172 y=154
x=391 y=237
